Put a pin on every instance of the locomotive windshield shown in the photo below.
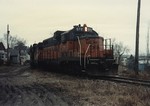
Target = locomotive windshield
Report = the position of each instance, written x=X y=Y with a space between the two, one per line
x=84 y=31
x=86 y=34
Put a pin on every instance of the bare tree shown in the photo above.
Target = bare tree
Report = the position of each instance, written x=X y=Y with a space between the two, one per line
x=15 y=43
x=13 y=40
x=119 y=50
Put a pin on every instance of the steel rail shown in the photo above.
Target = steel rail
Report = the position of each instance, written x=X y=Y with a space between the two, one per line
x=122 y=79
x=129 y=80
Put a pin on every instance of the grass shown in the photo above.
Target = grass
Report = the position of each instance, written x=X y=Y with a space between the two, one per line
x=85 y=92
x=123 y=71
x=88 y=92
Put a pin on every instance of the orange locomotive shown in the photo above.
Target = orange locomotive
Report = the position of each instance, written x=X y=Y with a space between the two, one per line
x=78 y=49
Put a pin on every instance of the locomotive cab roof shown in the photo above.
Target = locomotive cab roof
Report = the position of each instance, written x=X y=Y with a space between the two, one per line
x=77 y=31
x=80 y=31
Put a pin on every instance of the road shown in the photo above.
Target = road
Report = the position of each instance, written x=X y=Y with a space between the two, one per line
x=18 y=87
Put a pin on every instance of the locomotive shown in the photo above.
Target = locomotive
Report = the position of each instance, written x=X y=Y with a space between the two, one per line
x=79 y=49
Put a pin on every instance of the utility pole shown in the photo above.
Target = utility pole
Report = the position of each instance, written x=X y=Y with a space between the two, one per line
x=136 y=62
x=148 y=46
x=8 y=42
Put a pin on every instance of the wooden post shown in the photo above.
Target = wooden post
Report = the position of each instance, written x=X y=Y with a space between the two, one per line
x=8 y=42
x=148 y=46
x=136 y=62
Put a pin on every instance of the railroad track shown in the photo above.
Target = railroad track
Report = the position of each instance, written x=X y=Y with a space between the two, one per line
x=121 y=79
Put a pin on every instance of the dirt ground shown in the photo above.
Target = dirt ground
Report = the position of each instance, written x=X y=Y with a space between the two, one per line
x=22 y=86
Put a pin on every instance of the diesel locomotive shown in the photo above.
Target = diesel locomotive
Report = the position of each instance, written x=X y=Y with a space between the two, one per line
x=79 y=49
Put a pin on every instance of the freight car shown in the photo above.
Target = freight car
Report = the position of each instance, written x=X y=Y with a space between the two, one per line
x=78 y=49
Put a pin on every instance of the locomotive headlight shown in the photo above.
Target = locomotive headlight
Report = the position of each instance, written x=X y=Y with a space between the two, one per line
x=85 y=29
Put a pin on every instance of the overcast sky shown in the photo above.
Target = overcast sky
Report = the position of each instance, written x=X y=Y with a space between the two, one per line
x=36 y=20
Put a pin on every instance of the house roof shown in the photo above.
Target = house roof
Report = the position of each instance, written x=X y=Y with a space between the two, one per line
x=2 y=47
x=20 y=47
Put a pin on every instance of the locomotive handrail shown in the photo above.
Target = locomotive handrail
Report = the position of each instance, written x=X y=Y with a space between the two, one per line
x=85 y=55
x=80 y=49
x=108 y=44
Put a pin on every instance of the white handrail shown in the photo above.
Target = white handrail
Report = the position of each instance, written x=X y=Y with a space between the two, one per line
x=80 y=49
x=85 y=55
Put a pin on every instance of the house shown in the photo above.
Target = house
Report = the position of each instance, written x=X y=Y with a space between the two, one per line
x=3 y=53
x=14 y=56
x=19 y=55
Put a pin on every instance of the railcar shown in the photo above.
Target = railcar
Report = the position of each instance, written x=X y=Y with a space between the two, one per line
x=78 y=49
